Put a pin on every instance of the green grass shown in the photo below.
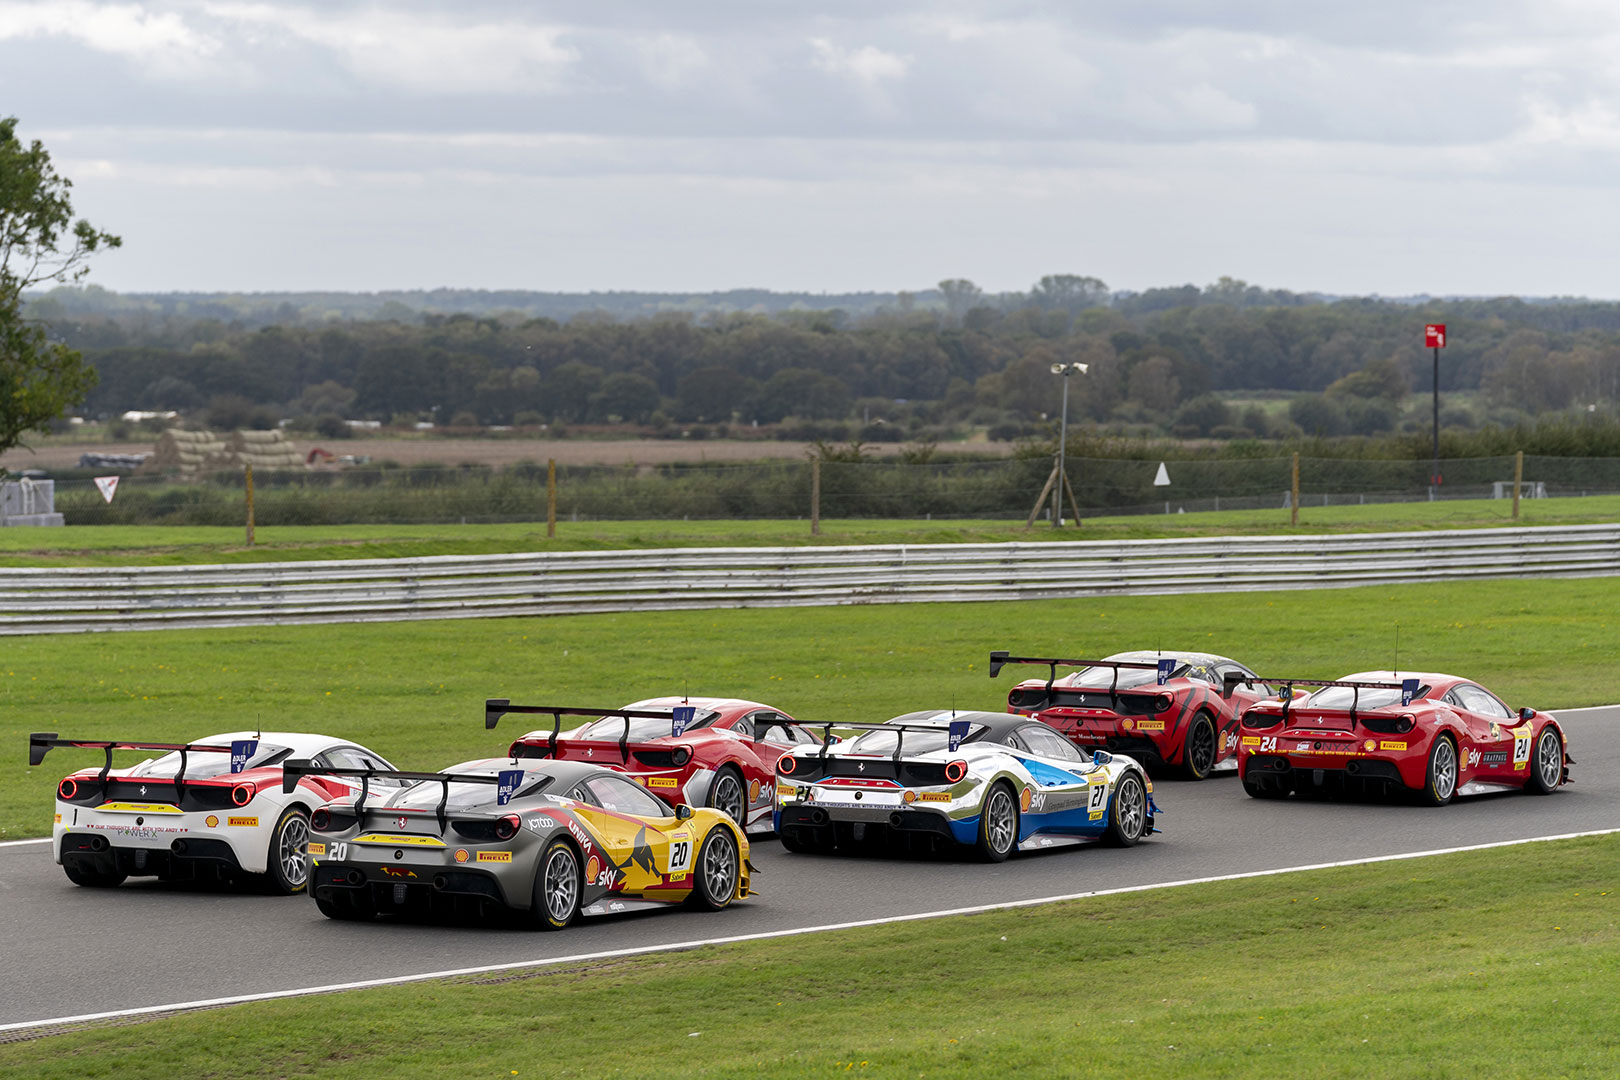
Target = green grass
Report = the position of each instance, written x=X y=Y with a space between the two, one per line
x=1496 y=963
x=414 y=691
x=112 y=545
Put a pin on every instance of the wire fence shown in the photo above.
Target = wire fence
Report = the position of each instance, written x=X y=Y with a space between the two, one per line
x=1004 y=489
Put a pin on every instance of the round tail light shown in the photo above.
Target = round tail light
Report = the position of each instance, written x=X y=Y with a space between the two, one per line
x=67 y=788
x=1404 y=724
x=680 y=755
x=507 y=827
x=242 y=794
x=785 y=765
x=321 y=819
x=955 y=771
x=1162 y=703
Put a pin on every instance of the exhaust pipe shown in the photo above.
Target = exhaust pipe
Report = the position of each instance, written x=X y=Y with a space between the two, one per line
x=98 y=843
x=895 y=819
x=178 y=847
x=817 y=817
x=440 y=882
x=356 y=878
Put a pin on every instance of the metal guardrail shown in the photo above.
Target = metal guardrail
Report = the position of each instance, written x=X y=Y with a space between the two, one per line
x=84 y=599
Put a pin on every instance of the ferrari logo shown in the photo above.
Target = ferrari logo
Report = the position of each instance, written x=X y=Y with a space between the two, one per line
x=143 y=789
x=860 y=768
x=400 y=823
x=590 y=753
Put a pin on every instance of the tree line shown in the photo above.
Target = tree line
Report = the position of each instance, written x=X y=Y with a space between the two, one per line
x=951 y=355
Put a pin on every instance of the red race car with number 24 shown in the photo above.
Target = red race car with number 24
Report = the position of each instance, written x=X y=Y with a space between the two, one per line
x=1436 y=736
x=1163 y=709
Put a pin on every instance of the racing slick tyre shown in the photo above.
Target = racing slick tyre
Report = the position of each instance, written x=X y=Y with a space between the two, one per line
x=998 y=823
x=1128 y=820
x=1198 y=749
x=351 y=907
x=1441 y=782
x=92 y=879
x=287 y=869
x=714 y=878
x=728 y=794
x=557 y=886
x=1547 y=765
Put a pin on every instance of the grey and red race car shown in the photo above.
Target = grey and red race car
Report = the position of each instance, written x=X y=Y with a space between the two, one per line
x=1436 y=736
x=701 y=751
x=1165 y=709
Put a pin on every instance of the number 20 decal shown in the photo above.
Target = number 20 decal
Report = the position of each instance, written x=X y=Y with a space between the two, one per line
x=680 y=856
x=339 y=851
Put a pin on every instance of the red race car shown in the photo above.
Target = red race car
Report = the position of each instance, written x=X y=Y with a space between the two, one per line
x=1164 y=709
x=1434 y=735
x=716 y=752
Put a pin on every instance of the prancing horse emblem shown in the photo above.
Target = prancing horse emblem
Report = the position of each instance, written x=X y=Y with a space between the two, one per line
x=143 y=789
x=859 y=768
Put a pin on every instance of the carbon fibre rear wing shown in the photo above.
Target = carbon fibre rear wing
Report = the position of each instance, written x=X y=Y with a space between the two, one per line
x=1232 y=680
x=41 y=742
x=495 y=708
x=294 y=770
x=827 y=740
x=1164 y=666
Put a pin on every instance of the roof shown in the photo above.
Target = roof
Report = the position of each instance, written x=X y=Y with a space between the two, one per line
x=998 y=723
x=1151 y=655
x=1424 y=678
x=300 y=742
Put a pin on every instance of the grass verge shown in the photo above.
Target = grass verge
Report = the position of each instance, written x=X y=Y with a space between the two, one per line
x=112 y=545
x=1494 y=963
x=414 y=691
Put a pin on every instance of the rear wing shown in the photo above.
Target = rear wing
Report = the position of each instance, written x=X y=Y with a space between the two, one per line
x=495 y=708
x=1164 y=666
x=298 y=768
x=955 y=734
x=1233 y=679
x=41 y=742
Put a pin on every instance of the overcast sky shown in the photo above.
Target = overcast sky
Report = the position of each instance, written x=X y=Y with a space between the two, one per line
x=1364 y=147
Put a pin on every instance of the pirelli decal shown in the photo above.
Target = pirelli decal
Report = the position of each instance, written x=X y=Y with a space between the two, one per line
x=242 y=822
x=317 y=848
x=662 y=781
x=1150 y=725
x=399 y=841
x=494 y=856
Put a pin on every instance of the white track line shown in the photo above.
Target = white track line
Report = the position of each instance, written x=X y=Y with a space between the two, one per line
x=1583 y=708
x=610 y=954
x=20 y=843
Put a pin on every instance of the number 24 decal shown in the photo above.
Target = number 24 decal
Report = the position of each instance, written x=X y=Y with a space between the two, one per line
x=1268 y=744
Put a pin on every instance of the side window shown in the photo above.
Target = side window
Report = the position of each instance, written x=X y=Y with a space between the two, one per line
x=579 y=793
x=1201 y=671
x=1048 y=743
x=1015 y=742
x=623 y=797
x=1222 y=670
x=1478 y=700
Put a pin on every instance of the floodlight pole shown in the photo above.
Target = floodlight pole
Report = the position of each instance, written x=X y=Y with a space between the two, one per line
x=1063 y=443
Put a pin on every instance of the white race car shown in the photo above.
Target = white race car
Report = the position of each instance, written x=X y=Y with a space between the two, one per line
x=990 y=781
x=209 y=808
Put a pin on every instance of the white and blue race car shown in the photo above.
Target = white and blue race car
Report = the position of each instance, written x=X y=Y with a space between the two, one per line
x=989 y=781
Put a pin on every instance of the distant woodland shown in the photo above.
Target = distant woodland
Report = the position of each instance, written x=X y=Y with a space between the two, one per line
x=1185 y=361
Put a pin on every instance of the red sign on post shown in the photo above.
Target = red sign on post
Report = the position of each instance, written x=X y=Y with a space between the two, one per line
x=1434 y=336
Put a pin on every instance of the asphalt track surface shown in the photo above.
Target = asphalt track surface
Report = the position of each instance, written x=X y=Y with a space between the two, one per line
x=69 y=951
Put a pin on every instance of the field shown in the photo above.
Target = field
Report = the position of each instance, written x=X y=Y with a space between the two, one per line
x=415 y=691
x=114 y=545
x=1312 y=974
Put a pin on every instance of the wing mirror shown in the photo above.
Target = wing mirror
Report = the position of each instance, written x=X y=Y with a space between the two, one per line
x=683 y=812
x=1527 y=714
x=1101 y=757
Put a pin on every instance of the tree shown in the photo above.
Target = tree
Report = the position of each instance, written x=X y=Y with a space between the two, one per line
x=39 y=242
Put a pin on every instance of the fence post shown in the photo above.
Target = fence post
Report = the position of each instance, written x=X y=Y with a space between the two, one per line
x=815 y=496
x=551 y=498
x=249 y=470
x=1293 y=502
x=1518 y=478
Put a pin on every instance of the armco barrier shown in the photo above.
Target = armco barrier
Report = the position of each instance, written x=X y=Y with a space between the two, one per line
x=47 y=601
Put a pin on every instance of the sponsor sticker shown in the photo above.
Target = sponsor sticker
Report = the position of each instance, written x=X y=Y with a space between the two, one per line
x=211 y=821
x=398 y=872
x=1150 y=725
x=242 y=751
x=242 y=822
x=139 y=808
x=934 y=796
x=1251 y=740
x=494 y=856
x=1127 y=723
x=540 y=823
x=1387 y=745
x=317 y=848
x=1369 y=746
x=665 y=781
x=679 y=718
x=1409 y=688
x=461 y=854
x=58 y=819
x=1023 y=800
x=1166 y=666
x=509 y=780
x=955 y=734
x=593 y=866
x=1495 y=759
x=399 y=841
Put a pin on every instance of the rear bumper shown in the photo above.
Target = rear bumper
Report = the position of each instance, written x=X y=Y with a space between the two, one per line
x=1288 y=769
x=906 y=819
x=416 y=888
x=181 y=857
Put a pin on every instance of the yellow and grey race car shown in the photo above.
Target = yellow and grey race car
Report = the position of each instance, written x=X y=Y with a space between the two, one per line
x=556 y=839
